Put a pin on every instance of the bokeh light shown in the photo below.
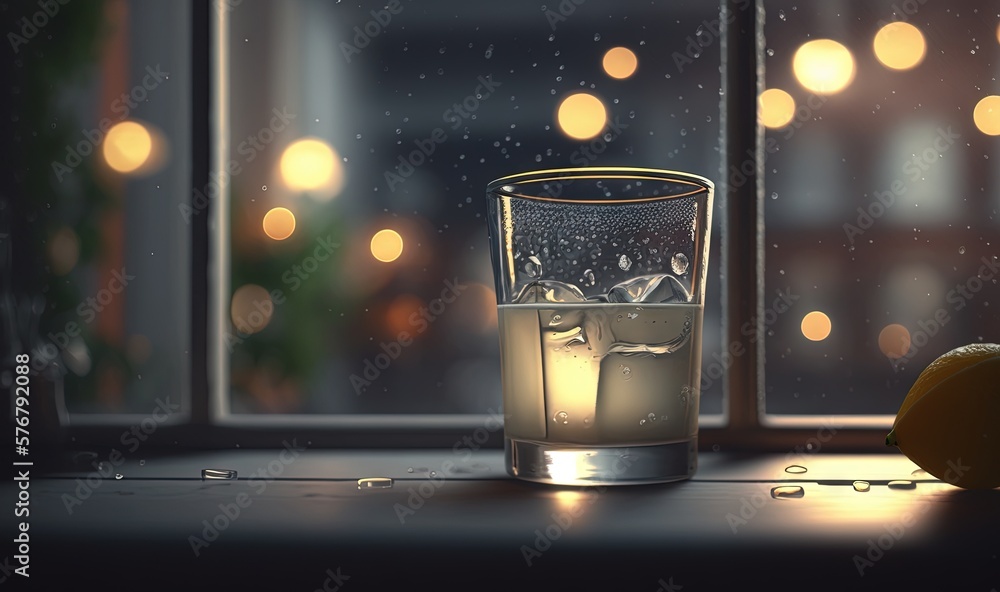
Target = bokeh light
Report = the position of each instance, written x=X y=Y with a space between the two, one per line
x=251 y=309
x=387 y=245
x=620 y=62
x=894 y=341
x=487 y=297
x=816 y=326
x=64 y=250
x=775 y=107
x=399 y=312
x=987 y=115
x=823 y=66
x=582 y=116
x=127 y=146
x=279 y=223
x=310 y=164
x=477 y=309
x=899 y=46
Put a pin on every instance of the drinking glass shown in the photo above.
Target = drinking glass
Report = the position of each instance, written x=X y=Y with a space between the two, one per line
x=600 y=280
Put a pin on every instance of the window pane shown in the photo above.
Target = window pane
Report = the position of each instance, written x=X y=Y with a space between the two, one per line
x=99 y=291
x=880 y=201
x=376 y=130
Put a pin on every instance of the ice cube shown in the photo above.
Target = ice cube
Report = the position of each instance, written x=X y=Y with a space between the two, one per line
x=549 y=291
x=650 y=289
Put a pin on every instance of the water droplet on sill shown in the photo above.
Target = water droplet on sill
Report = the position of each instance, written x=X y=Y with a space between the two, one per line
x=861 y=486
x=375 y=483
x=218 y=474
x=795 y=469
x=787 y=491
x=902 y=485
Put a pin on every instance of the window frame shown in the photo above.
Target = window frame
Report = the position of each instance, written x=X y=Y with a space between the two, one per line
x=748 y=426
x=742 y=426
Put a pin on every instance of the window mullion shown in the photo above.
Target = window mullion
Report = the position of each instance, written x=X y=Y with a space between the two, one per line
x=742 y=223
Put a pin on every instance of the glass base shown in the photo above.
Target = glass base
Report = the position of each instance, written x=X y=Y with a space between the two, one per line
x=561 y=464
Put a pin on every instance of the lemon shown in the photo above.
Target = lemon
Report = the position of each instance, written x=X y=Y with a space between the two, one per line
x=949 y=423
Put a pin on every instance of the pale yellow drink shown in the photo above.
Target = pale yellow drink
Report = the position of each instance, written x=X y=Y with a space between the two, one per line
x=607 y=373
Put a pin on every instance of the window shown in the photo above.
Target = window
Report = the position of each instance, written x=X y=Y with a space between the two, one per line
x=96 y=259
x=271 y=213
x=397 y=116
x=880 y=201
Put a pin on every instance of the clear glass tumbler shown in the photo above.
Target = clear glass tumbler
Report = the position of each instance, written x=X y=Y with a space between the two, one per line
x=600 y=278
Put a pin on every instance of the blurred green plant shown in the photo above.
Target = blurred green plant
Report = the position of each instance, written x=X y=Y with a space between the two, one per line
x=282 y=361
x=50 y=61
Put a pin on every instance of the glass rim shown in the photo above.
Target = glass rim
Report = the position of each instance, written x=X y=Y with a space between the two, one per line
x=504 y=186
